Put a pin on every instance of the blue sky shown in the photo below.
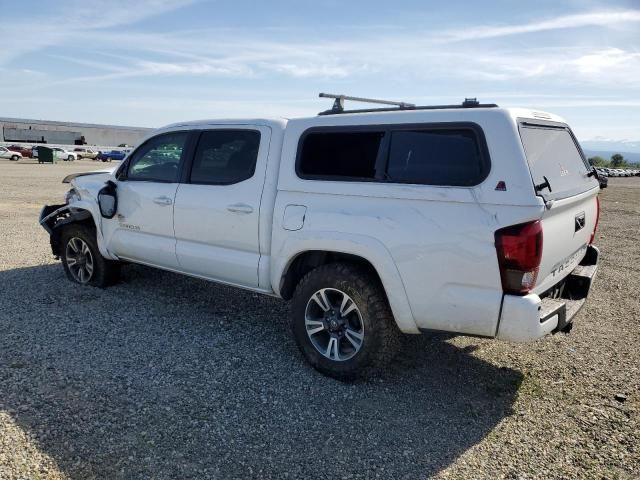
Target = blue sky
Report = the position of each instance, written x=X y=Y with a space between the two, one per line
x=152 y=62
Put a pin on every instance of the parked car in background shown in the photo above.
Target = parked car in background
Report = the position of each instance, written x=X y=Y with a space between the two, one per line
x=24 y=151
x=64 y=154
x=113 y=155
x=10 y=154
x=82 y=152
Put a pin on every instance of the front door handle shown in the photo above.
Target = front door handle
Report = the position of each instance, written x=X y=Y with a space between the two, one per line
x=163 y=200
x=240 y=208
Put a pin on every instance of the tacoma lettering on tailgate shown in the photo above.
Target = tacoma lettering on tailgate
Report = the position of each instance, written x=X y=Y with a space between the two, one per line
x=569 y=261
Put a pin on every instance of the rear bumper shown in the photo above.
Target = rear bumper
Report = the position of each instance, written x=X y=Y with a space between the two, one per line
x=529 y=317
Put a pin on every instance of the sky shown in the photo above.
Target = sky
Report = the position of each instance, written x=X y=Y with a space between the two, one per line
x=153 y=62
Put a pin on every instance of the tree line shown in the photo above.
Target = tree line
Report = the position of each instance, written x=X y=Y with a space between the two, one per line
x=617 y=161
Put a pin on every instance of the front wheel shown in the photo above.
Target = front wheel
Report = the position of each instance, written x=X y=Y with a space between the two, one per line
x=15 y=158
x=70 y=158
x=342 y=322
x=82 y=260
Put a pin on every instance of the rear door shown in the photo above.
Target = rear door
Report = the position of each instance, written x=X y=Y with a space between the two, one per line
x=217 y=208
x=560 y=172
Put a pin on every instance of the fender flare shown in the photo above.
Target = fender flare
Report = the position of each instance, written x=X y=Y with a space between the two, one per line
x=362 y=246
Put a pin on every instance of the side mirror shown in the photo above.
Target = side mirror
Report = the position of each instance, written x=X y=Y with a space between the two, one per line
x=108 y=200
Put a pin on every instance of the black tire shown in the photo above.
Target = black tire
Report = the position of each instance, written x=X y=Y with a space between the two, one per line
x=15 y=158
x=70 y=158
x=104 y=272
x=381 y=336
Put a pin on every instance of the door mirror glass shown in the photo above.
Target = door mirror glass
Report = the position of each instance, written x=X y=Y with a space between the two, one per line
x=108 y=200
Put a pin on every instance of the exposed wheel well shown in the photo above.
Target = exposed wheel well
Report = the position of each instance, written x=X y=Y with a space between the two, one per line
x=82 y=217
x=307 y=261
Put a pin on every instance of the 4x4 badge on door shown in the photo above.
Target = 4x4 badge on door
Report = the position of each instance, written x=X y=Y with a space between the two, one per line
x=579 y=221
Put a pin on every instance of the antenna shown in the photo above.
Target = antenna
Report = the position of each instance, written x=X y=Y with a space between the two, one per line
x=338 y=104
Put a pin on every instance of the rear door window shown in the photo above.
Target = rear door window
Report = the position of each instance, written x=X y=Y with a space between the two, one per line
x=225 y=157
x=552 y=152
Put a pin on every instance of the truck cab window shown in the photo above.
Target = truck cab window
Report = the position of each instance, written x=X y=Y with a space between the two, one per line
x=158 y=160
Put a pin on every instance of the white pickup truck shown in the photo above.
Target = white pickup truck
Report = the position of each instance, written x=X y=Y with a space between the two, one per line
x=471 y=219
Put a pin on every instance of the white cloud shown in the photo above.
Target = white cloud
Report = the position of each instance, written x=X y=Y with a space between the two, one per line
x=100 y=14
x=72 y=19
x=311 y=70
x=144 y=68
x=610 y=61
x=603 y=18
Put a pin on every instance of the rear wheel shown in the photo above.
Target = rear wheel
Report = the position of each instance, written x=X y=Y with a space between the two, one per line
x=342 y=322
x=70 y=158
x=82 y=260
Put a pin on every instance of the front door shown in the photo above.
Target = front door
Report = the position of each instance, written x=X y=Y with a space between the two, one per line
x=218 y=207
x=142 y=230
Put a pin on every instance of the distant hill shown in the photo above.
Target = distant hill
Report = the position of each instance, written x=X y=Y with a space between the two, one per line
x=629 y=149
x=607 y=145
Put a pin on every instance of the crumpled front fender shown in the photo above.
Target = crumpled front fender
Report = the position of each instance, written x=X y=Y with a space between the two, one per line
x=54 y=217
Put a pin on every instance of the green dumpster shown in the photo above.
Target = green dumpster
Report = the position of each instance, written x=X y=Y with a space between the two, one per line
x=46 y=155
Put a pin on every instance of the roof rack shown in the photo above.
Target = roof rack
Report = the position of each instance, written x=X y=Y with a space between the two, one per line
x=338 y=105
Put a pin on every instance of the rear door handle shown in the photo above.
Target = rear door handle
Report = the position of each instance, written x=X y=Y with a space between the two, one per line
x=163 y=200
x=240 y=208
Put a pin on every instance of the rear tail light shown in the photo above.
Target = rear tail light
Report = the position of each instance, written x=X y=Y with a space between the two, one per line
x=595 y=227
x=519 y=253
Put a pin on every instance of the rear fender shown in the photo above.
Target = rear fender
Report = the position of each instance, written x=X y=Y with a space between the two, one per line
x=359 y=245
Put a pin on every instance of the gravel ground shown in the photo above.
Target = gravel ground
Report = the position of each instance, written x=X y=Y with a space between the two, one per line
x=164 y=376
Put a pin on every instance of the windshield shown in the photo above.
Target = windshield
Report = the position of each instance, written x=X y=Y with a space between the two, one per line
x=552 y=152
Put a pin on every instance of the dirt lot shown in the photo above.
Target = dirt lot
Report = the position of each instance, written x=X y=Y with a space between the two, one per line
x=163 y=376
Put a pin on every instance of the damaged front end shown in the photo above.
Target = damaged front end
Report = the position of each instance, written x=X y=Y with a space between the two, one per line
x=53 y=217
x=80 y=205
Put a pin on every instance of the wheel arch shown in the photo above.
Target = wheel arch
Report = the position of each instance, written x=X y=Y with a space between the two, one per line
x=300 y=255
x=80 y=212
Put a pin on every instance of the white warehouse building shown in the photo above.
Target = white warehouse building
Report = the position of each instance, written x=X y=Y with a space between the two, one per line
x=18 y=130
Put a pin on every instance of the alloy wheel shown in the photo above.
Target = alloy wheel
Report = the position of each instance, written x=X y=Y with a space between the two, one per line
x=334 y=324
x=79 y=260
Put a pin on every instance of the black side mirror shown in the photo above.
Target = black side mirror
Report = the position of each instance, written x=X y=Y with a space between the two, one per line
x=108 y=200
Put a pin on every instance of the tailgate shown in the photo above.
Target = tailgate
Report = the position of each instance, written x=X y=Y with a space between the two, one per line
x=559 y=172
x=567 y=227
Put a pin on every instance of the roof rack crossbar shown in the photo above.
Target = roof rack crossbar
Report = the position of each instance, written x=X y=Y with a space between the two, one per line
x=338 y=104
